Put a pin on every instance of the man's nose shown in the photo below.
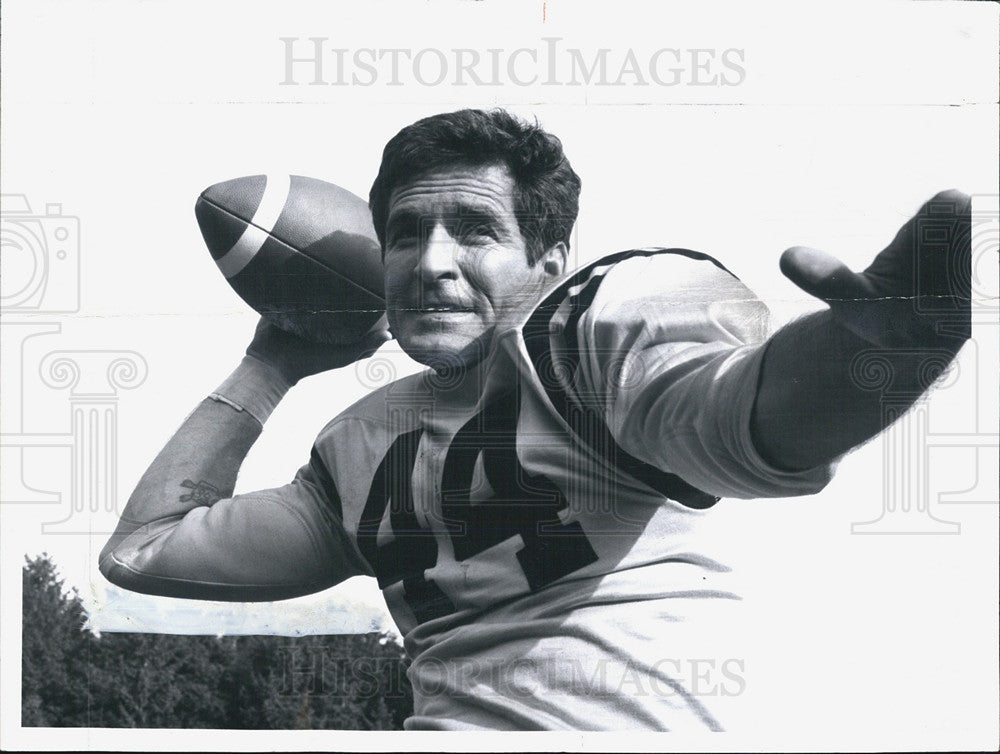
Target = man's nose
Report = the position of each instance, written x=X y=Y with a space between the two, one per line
x=439 y=255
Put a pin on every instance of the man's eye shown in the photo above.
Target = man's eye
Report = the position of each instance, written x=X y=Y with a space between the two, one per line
x=479 y=229
x=401 y=238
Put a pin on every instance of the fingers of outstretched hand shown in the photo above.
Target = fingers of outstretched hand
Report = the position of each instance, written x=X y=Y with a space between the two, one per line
x=929 y=251
x=916 y=291
x=823 y=275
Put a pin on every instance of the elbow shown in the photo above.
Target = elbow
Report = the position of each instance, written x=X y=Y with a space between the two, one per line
x=117 y=561
x=110 y=565
x=114 y=565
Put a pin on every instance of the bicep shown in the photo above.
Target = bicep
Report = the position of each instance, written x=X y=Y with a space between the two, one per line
x=693 y=421
x=267 y=545
x=676 y=359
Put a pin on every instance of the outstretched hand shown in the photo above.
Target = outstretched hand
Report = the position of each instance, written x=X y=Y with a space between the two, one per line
x=916 y=292
x=296 y=357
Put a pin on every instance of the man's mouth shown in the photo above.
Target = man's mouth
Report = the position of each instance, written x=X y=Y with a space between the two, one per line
x=440 y=308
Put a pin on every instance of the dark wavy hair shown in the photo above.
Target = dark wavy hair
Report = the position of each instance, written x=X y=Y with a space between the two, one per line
x=546 y=190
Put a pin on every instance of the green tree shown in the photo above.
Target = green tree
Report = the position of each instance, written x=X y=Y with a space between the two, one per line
x=157 y=681
x=56 y=649
x=71 y=677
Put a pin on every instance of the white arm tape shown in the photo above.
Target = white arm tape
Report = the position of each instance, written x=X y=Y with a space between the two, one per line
x=253 y=387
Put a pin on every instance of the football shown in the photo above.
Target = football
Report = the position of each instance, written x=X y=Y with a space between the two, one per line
x=301 y=251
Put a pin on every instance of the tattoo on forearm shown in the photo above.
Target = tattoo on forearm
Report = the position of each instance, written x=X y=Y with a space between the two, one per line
x=201 y=492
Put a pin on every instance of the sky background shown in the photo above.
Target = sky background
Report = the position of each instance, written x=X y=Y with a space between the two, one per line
x=843 y=124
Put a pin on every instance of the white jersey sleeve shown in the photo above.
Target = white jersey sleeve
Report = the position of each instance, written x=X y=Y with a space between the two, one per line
x=264 y=545
x=666 y=345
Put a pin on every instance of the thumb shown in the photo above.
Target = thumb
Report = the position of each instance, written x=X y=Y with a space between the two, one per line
x=823 y=275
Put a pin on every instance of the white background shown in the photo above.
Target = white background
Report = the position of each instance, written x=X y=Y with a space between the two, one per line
x=848 y=118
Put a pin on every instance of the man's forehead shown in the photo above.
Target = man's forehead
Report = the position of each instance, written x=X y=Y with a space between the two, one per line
x=459 y=189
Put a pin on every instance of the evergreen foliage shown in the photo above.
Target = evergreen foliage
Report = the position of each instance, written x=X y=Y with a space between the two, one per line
x=72 y=677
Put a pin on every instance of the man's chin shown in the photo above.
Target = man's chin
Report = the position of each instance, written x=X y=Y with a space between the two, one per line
x=444 y=355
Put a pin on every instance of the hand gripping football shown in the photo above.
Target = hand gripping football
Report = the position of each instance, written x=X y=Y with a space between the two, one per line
x=300 y=251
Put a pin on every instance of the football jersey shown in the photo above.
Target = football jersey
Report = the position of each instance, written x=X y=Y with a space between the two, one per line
x=536 y=522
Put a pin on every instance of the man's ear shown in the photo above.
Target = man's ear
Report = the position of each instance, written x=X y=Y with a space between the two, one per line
x=554 y=259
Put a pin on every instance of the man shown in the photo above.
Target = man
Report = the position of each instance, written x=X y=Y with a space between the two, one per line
x=536 y=500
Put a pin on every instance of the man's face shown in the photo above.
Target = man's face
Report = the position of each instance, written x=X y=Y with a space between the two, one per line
x=456 y=267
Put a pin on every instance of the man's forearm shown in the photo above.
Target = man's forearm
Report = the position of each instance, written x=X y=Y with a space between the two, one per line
x=809 y=408
x=199 y=464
